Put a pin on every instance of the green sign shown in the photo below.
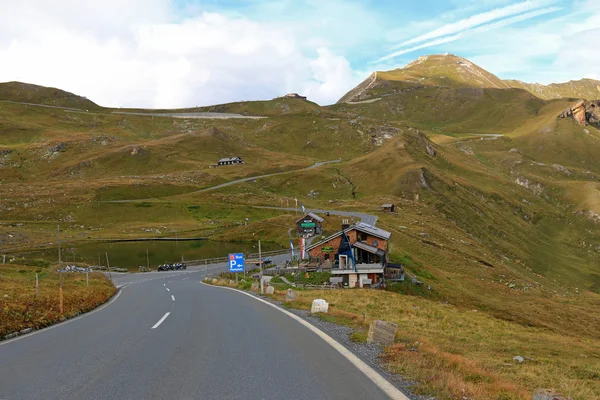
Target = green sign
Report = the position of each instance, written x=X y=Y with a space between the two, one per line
x=307 y=224
x=327 y=249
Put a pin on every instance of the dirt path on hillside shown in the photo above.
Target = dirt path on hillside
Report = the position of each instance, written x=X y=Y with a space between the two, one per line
x=222 y=185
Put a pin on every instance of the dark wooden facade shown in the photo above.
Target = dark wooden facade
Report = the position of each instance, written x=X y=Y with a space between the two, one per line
x=309 y=225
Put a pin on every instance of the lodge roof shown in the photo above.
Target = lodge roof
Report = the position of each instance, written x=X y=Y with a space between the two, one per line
x=313 y=216
x=359 y=226
x=369 y=248
x=227 y=159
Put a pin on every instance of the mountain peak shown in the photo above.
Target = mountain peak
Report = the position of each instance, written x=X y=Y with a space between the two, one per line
x=438 y=70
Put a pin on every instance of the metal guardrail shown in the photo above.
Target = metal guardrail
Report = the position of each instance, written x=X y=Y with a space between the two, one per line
x=220 y=260
x=273 y=253
x=282 y=271
x=216 y=260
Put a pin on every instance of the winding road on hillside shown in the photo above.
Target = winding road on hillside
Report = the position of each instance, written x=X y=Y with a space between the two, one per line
x=235 y=182
x=167 y=335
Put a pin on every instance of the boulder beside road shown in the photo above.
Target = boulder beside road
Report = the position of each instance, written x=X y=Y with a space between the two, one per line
x=382 y=332
x=319 y=306
x=290 y=295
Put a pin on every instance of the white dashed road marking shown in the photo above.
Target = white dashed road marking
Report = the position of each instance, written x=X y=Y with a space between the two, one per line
x=172 y=297
x=160 y=321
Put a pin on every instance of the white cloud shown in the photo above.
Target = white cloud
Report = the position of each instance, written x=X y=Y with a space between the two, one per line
x=477 y=20
x=332 y=73
x=141 y=53
x=469 y=32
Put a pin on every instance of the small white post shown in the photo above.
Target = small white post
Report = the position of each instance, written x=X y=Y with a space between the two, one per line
x=37 y=285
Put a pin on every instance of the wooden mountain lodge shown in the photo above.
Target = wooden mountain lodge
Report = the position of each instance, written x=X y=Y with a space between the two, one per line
x=388 y=208
x=309 y=225
x=358 y=254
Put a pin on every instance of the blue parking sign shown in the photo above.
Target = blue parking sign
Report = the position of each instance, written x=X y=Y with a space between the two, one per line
x=236 y=262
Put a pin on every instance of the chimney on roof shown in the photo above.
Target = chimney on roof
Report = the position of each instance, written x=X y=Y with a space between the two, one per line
x=345 y=224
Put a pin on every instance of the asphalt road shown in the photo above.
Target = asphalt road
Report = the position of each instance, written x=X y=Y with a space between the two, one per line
x=213 y=344
x=191 y=115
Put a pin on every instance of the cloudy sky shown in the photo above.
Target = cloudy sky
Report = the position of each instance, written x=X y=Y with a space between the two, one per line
x=174 y=53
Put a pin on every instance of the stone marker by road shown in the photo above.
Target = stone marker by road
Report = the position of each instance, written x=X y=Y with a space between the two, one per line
x=290 y=295
x=319 y=306
x=382 y=332
x=254 y=286
x=270 y=290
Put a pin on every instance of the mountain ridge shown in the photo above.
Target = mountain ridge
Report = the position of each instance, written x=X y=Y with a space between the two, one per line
x=31 y=93
x=451 y=71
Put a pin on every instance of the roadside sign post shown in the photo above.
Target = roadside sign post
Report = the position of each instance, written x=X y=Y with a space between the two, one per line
x=236 y=264
x=262 y=286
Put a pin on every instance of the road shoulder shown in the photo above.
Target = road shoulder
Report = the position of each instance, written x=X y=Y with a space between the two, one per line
x=364 y=356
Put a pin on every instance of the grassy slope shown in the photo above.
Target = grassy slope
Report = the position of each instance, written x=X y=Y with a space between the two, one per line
x=588 y=89
x=457 y=353
x=278 y=106
x=464 y=225
x=28 y=93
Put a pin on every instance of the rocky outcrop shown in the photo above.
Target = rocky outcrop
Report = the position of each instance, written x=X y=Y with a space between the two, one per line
x=584 y=112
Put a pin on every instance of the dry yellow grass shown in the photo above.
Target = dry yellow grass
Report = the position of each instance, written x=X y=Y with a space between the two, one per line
x=20 y=308
x=456 y=353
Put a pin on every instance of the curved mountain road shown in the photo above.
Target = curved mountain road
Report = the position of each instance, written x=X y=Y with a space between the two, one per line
x=235 y=182
x=192 y=341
